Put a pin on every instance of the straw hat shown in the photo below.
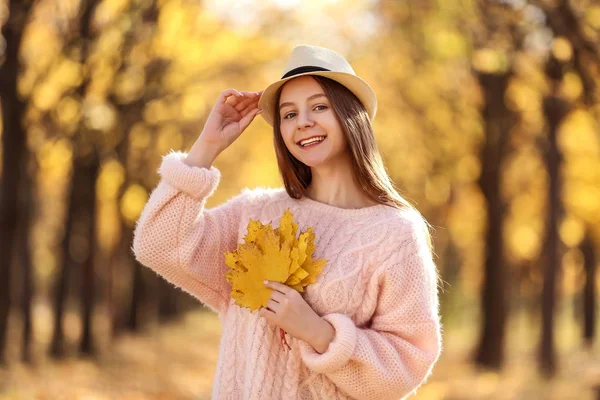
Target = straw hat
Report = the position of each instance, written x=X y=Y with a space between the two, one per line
x=313 y=60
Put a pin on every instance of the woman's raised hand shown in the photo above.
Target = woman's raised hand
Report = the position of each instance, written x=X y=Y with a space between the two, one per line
x=229 y=117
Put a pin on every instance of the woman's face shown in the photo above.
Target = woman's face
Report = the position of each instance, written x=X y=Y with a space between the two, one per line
x=306 y=112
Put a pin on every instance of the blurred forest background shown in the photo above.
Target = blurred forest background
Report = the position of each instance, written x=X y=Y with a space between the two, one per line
x=488 y=122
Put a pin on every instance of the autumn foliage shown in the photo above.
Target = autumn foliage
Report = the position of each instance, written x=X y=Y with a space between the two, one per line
x=271 y=254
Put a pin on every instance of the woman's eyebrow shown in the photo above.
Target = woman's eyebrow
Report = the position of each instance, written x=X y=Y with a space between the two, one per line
x=314 y=96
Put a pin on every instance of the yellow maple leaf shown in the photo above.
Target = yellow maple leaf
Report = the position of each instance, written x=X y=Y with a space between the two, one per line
x=271 y=254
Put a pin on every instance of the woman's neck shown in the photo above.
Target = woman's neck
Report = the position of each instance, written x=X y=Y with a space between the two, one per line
x=335 y=185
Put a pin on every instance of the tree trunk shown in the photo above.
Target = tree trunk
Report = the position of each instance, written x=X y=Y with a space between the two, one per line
x=24 y=260
x=78 y=246
x=57 y=349
x=13 y=150
x=88 y=169
x=499 y=121
x=589 y=290
x=137 y=293
x=114 y=301
x=167 y=305
x=122 y=258
x=121 y=317
x=128 y=316
x=555 y=110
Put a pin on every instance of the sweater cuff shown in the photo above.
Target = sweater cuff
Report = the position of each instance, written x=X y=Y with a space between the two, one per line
x=197 y=182
x=340 y=349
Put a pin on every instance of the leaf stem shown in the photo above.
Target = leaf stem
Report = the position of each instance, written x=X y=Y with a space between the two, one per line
x=283 y=340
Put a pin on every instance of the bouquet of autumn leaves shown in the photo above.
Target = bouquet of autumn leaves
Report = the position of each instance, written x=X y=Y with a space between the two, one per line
x=275 y=255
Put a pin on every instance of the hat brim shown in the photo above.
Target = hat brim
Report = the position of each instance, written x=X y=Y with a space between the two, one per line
x=355 y=84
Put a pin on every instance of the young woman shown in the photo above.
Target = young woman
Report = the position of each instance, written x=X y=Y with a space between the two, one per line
x=368 y=328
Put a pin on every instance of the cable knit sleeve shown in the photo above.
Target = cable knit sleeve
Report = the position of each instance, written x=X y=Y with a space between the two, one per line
x=396 y=353
x=180 y=240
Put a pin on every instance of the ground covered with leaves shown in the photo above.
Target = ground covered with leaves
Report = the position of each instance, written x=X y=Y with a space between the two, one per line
x=178 y=362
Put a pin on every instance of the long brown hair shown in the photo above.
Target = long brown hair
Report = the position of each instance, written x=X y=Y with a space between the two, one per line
x=367 y=164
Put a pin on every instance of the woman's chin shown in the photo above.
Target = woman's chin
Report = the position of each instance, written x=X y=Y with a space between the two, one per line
x=313 y=161
x=316 y=159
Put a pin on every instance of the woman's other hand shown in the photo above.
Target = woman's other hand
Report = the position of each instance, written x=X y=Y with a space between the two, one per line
x=230 y=116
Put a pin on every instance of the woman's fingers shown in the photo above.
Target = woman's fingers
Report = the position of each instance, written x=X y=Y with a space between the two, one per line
x=227 y=93
x=273 y=305
x=280 y=287
x=252 y=94
x=277 y=296
x=246 y=119
x=240 y=106
x=249 y=98
x=244 y=104
x=249 y=107
x=235 y=97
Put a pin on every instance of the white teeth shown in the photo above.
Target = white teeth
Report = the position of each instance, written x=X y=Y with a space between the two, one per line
x=312 y=140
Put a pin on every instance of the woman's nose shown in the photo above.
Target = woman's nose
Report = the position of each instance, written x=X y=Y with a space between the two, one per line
x=304 y=120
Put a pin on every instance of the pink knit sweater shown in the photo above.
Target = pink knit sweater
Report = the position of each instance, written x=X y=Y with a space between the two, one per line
x=378 y=289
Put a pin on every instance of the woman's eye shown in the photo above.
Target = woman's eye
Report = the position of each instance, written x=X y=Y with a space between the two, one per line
x=293 y=113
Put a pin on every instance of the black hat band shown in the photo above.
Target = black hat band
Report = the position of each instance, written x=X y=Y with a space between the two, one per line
x=301 y=70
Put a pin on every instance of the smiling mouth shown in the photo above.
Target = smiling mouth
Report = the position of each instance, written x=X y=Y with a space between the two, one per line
x=311 y=142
